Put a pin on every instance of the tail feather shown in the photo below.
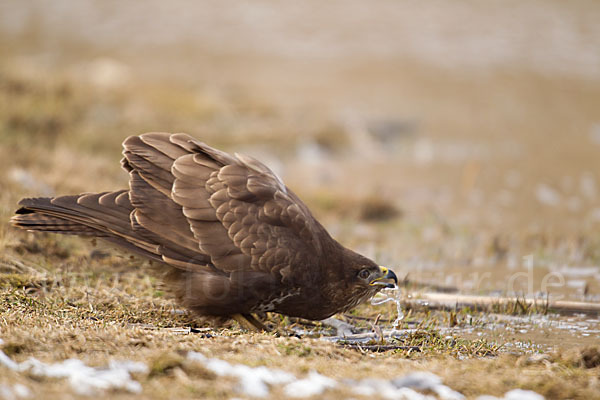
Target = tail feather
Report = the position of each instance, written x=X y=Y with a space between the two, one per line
x=103 y=215
x=33 y=221
x=60 y=212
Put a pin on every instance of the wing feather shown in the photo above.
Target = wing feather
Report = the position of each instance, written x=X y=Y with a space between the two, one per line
x=240 y=212
x=198 y=209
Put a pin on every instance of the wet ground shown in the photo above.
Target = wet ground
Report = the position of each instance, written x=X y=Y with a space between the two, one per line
x=520 y=333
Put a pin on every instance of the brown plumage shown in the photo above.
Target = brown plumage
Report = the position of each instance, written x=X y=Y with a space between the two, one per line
x=237 y=240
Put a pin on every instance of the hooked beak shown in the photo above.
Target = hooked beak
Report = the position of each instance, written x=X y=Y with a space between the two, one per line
x=387 y=276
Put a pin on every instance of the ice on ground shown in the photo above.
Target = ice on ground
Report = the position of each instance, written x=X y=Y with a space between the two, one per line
x=84 y=380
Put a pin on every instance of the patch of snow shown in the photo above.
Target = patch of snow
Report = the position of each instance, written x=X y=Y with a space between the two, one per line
x=253 y=381
x=515 y=394
x=83 y=379
x=385 y=389
x=17 y=391
x=313 y=385
x=6 y=392
x=7 y=362
x=427 y=381
x=21 y=391
x=418 y=380
x=134 y=367
x=256 y=382
x=520 y=394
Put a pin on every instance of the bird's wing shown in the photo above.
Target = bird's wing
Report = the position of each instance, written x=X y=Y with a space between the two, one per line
x=232 y=211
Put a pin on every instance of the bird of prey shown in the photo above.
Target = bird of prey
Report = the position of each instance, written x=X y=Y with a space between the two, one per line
x=235 y=238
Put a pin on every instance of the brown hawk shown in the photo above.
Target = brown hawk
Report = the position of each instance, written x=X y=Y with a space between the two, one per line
x=237 y=240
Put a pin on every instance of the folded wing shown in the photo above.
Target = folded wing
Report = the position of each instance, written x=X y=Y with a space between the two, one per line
x=232 y=212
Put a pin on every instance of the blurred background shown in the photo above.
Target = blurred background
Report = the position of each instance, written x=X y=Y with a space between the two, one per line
x=448 y=140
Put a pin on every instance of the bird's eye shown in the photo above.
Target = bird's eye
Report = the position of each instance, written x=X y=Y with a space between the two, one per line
x=364 y=274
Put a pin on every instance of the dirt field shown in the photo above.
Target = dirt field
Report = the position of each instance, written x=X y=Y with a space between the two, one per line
x=458 y=144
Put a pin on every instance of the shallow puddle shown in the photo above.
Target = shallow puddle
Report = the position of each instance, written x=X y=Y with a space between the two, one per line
x=521 y=334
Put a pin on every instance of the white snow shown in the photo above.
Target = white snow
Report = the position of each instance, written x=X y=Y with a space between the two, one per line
x=256 y=382
x=520 y=394
x=387 y=390
x=314 y=384
x=21 y=390
x=83 y=379
x=7 y=362
x=17 y=391
x=406 y=387
x=6 y=392
x=427 y=381
x=515 y=394
x=253 y=381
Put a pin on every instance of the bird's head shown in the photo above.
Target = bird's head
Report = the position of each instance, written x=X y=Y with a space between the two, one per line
x=375 y=277
x=364 y=278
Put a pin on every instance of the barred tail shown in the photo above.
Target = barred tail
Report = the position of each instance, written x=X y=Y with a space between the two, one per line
x=104 y=215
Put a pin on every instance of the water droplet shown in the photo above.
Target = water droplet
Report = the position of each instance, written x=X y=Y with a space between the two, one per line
x=391 y=295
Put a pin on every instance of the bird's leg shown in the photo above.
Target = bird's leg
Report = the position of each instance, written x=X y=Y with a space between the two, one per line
x=256 y=323
x=250 y=323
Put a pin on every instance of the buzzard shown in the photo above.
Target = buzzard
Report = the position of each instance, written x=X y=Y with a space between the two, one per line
x=235 y=238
